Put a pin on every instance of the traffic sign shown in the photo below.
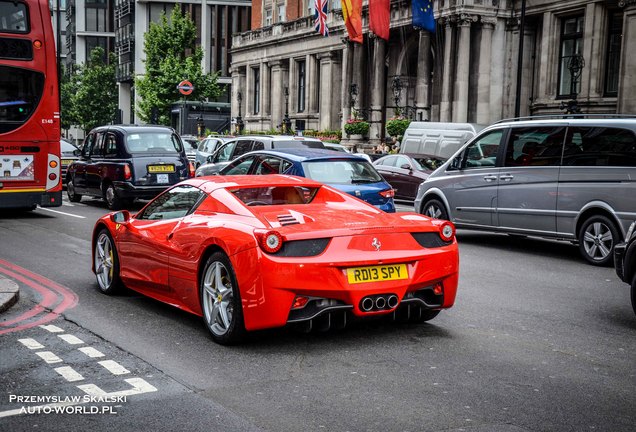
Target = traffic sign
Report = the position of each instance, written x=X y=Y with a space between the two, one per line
x=185 y=87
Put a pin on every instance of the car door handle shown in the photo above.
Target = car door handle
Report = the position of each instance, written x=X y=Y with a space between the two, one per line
x=169 y=236
x=506 y=177
x=490 y=178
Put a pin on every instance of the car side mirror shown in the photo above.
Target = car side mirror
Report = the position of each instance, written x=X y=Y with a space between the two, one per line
x=120 y=217
x=77 y=152
x=456 y=164
x=405 y=166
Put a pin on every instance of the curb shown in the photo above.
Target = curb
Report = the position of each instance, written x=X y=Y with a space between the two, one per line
x=9 y=293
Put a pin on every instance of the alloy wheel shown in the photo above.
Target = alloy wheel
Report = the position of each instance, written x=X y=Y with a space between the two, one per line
x=104 y=261
x=598 y=241
x=218 y=298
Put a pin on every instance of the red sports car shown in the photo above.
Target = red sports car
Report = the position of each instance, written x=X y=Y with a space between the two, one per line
x=254 y=252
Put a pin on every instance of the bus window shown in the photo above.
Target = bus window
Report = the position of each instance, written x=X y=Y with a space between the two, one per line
x=20 y=93
x=14 y=17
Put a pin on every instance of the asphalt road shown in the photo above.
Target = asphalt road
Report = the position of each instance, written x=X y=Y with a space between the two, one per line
x=538 y=341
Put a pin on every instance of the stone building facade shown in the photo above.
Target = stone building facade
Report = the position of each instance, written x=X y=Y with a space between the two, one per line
x=466 y=71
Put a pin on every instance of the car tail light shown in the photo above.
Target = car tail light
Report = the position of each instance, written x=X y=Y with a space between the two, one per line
x=192 y=170
x=52 y=176
x=269 y=241
x=447 y=231
x=300 y=302
x=53 y=164
x=389 y=193
x=127 y=172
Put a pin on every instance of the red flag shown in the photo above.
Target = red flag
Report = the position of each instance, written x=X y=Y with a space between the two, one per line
x=379 y=17
x=352 y=13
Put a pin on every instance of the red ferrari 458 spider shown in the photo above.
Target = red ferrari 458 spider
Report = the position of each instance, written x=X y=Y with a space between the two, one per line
x=254 y=252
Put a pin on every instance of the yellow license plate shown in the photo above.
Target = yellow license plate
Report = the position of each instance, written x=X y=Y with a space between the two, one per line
x=160 y=168
x=381 y=273
x=66 y=161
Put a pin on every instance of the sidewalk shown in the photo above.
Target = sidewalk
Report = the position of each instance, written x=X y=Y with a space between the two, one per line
x=9 y=293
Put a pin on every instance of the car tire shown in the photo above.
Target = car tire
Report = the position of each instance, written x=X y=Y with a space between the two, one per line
x=73 y=196
x=597 y=237
x=106 y=264
x=221 y=300
x=113 y=202
x=435 y=209
x=634 y=294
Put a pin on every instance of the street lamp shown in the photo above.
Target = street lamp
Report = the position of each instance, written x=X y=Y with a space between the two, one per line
x=575 y=65
x=239 y=121
x=396 y=86
x=286 y=119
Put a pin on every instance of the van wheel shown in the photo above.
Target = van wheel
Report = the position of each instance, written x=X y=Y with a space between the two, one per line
x=434 y=209
x=597 y=238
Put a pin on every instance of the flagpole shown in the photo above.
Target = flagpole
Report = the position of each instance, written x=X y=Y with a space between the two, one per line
x=522 y=26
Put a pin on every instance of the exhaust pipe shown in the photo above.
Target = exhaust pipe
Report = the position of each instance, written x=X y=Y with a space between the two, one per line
x=392 y=301
x=380 y=302
x=367 y=304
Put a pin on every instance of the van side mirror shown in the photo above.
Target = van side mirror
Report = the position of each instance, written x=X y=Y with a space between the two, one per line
x=209 y=159
x=120 y=217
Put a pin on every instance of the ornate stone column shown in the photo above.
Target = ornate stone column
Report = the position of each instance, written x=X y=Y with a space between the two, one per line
x=329 y=90
x=378 y=89
x=460 y=101
x=265 y=90
x=313 y=86
x=627 y=75
x=347 y=68
x=279 y=72
x=422 y=88
x=356 y=75
x=448 y=76
x=483 y=75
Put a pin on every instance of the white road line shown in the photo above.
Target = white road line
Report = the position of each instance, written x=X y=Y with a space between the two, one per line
x=69 y=373
x=91 y=352
x=48 y=357
x=62 y=213
x=114 y=367
x=67 y=204
x=52 y=328
x=68 y=338
x=31 y=343
x=139 y=386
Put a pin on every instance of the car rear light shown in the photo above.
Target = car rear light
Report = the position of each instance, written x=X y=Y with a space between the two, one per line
x=192 y=170
x=300 y=302
x=389 y=193
x=437 y=289
x=37 y=44
x=269 y=241
x=53 y=164
x=127 y=172
x=52 y=176
x=447 y=231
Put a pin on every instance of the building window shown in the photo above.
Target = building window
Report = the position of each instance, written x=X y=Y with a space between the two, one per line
x=257 y=90
x=301 y=86
x=613 y=54
x=268 y=17
x=571 y=45
x=281 y=13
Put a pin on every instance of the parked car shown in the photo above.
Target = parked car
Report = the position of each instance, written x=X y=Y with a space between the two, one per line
x=625 y=261
x=405 y=172
x=120 y=163
x=207 y=147
x=336 y=147
x=191 y=144
x=568 y=179
x=245 y=144
x=254 y=252
x=343 y=171
x=69 y=153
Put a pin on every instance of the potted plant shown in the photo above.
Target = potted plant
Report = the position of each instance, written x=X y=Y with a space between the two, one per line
x=356 y=127
x=396 y=126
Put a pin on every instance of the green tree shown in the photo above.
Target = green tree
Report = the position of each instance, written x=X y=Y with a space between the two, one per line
x=95 y=99
x=67 y=90
x=171 y=57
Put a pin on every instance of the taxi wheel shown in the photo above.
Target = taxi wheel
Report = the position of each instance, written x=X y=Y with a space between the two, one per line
x=221 y=300
x=110 y=196
x=434 y=209
x=73 y=196
x=106 y=262
x=597 y=237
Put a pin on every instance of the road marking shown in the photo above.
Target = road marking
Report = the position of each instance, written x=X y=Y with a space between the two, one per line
x=52 y=328
x=62 y=213
x=48 y=357
x=139 y=386
x=68 y=338
x=91 y=352
x=69 y=373
x=114 y=367
x=31 y=343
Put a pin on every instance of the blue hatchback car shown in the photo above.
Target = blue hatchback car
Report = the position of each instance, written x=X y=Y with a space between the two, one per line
x=348 y=173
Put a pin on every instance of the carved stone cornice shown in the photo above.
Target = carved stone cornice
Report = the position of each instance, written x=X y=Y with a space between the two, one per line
x=488 y=22
x=465 y=20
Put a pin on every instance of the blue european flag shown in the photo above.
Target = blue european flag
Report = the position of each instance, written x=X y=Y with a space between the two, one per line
x=423 y=15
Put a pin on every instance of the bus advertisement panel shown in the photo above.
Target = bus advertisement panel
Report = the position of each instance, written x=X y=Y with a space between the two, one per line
x=29 y=107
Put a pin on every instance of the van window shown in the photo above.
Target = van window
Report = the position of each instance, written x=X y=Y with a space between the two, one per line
x=535 y=146
x=482 y=153
x=600 y=146
x=242 y=147
x=224 y=153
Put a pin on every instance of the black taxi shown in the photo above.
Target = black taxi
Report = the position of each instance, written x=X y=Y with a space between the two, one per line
x=625 y=261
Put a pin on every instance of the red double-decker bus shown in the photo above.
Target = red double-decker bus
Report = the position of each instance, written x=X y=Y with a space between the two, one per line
x=29 y=107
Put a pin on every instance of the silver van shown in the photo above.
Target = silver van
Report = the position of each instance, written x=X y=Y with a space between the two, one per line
x=437 y=139
x=568 y=179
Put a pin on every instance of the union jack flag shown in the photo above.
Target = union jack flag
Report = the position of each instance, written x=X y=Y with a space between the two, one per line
x=320 y=17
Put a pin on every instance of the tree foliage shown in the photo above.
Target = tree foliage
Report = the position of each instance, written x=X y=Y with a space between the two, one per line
x=89 y=97
x=67 y=91
x=171 y=57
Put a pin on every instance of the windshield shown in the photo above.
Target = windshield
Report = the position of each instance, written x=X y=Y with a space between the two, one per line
x=14 y=17
x=153 y=142
x=342 y=171
x=67 y=147
x=427 y=164
x=20 y=93
x=297 y=144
